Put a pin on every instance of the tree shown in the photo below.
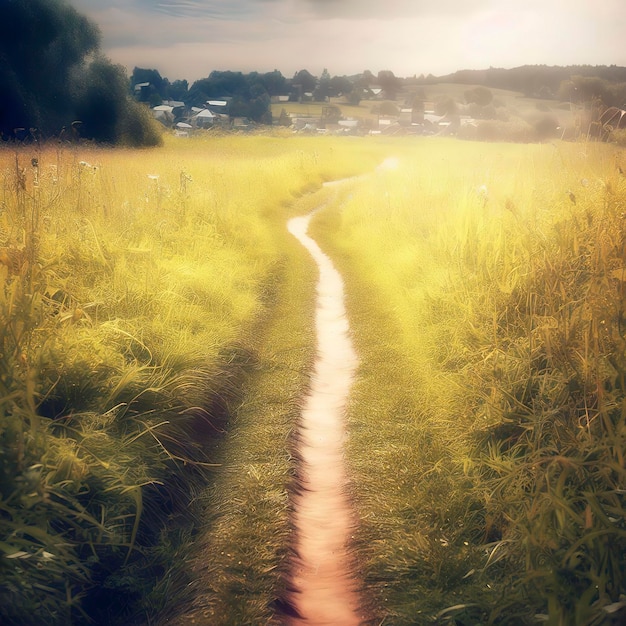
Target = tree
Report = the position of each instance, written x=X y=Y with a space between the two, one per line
x=41 y=43
x=446 y=106
x=479 y=95
x=390 y=84
x=275 y=83
x=142 y=75
x=340 y=86
x=249 y=96
x=386 y=108
x=259 y=108
x=284 y=119
x=106 y=112
x=305 y=80
x=323 y=88
x=51 y=74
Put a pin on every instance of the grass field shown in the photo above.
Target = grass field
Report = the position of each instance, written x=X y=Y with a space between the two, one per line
x=155 y=341
x=485 y=290
x=135 y=289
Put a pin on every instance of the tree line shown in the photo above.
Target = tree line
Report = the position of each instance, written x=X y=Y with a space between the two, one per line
x=251 y=93
x=575 y=83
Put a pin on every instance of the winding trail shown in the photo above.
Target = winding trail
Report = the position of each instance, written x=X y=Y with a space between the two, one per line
x=323 y=588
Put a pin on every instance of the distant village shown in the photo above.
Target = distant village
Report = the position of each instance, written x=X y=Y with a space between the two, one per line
x=523 y=104
x=380 y=116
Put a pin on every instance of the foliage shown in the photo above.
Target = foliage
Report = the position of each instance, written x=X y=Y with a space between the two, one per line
x=105 y=111
x=52 y=76
x=446 y=106
x=41 y=43
x=340 y=85
x=584 y=90
x=485 y=293
x=305 y=80
x=249 y=96
x=386 y=108
x=540 y=81
x=390 y=83
x=479 y=95
x=132 y=298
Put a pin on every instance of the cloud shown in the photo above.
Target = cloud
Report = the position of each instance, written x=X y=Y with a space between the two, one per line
x=209 y=9
x=391 y=9
x=233 y=9
x=189 y=38
x=158 y=25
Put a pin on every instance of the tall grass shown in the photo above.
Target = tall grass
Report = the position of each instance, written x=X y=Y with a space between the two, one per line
x=133 y=287
x=485 y=290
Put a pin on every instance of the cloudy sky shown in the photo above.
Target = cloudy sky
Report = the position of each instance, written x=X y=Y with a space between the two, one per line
x=190 y=38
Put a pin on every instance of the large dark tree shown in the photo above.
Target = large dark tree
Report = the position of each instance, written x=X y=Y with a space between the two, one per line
x=41 y=42
x=48 y=56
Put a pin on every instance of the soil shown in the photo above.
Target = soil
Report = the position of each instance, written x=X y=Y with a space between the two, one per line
x=324 y=589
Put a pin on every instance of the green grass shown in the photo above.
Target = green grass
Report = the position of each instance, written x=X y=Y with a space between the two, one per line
x=241 y=559
x=133 y=287
x=486 y=447
x=155 y=338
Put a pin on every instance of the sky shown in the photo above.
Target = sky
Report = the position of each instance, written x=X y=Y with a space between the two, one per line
x=188 y=39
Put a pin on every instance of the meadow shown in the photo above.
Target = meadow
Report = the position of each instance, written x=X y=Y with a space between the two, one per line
x=136 y=286
x=486 y=295
x=156 y=340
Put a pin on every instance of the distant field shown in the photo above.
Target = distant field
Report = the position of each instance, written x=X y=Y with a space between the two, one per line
x=512 y=103
x=314 y=109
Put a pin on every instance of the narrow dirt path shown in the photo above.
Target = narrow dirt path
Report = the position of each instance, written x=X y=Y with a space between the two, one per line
x=324 y=591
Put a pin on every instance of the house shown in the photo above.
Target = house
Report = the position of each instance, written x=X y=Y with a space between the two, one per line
x=203 y=118
x=164 y=113
x=183 y=129
x=218 y=106
x=140 y=86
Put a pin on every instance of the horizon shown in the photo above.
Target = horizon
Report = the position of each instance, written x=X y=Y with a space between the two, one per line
x=188 y=39
x=421 y=76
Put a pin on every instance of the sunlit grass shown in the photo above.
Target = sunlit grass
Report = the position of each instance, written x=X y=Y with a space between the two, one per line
x=485 y=301
x=153 y=303
x=135 y=285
